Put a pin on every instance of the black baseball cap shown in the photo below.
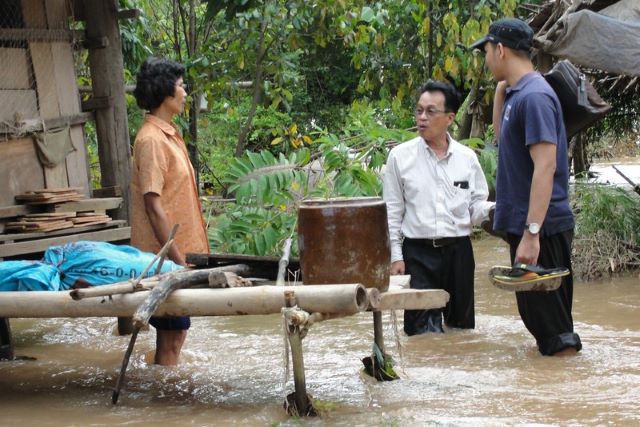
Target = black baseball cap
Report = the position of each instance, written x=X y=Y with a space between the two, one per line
x=511 y=32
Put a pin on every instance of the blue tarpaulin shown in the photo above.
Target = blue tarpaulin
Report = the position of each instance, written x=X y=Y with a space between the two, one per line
x=78 y=264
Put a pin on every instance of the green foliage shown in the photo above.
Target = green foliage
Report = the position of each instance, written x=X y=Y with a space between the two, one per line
x=261 y=178
x=268 y=188
x=264 y=215
x=244 y=229
x=607 y=230
x=613 y=209
x=328 y=81
x=489 y=162
x=488 y=158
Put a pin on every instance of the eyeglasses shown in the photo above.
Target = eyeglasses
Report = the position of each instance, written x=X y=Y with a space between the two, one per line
x=430 y=112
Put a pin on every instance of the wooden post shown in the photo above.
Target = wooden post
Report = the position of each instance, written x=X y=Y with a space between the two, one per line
x=125 y=326
x=106 y=65
x=303 y=406
x=6 y=341
x=378 y=336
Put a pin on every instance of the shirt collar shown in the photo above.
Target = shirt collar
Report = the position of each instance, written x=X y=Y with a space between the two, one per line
x=524 y=80
x=450 y=141
x=168 y=128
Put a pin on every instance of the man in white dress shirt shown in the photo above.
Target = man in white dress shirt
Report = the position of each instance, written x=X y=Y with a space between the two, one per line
x=435 y=191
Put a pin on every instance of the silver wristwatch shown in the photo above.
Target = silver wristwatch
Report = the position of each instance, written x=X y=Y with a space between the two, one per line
x=533 y=228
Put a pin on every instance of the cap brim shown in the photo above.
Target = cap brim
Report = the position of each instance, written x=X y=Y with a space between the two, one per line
x=480 y=43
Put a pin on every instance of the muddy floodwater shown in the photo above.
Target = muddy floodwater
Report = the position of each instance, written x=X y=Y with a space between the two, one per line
x=232 y=369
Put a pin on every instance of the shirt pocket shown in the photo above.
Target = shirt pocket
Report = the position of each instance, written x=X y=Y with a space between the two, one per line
x=458 y=202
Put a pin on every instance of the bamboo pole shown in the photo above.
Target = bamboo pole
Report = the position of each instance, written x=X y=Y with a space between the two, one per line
x=168 y=284
x=256 y=300
x=213 y=280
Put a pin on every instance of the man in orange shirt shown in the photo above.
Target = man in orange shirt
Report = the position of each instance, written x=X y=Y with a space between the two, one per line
x=163 y=187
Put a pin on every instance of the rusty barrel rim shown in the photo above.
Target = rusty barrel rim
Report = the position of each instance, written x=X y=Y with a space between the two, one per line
x=320 y=203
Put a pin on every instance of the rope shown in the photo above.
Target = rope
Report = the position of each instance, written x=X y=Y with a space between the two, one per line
x=396 y=338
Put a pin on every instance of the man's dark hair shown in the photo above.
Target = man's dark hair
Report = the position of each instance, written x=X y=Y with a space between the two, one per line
x=155 y=81
x=451 y=94
x=524 y=54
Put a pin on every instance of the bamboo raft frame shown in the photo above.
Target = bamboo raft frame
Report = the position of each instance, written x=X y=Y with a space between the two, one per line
x=300 y=305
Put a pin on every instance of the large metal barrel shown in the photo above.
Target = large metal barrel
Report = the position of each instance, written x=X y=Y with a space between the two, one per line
x=344 y=240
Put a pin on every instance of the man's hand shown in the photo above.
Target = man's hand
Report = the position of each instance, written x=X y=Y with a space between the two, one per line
x=528 y=249
x=487 y=225
x=397 y=268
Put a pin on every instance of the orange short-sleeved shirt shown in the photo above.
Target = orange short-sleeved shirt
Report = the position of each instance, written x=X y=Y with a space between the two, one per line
x=161 y=165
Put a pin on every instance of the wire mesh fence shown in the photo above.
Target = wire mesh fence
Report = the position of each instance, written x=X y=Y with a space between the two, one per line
x=37 y=79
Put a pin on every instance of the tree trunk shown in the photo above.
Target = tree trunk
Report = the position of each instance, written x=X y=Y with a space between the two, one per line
x=467 y=118
x=430 y=42
x=579 y=156
x=257 y=92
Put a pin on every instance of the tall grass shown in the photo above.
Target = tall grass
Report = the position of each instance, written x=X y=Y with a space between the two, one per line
x=607 y=236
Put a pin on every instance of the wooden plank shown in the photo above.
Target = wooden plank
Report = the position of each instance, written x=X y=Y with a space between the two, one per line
x=87 y=205
x=34 y=13
x=44 y=226
x=20 y=169
x=77 y=162
x=33 y=246
x=57 y=12
x=15 y=76
x=21 y=236
x=97 y=103
x=412 y=299
x=35 y=125
x=18 y=104
x=36 y=34
x=42 y=60
x=15 y=210
x=114 y=191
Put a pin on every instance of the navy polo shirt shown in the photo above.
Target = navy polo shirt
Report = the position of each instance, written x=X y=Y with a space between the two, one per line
x=531 y=114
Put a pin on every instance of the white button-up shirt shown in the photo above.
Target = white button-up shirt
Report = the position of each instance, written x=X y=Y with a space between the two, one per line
x=431 y=198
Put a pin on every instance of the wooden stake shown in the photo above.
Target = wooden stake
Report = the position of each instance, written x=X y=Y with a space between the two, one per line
x=136 y=328
x=284 y=262
x=303 y=406
x=6 y=340
x=378 y=335
x=635 y=186
x=123 y=368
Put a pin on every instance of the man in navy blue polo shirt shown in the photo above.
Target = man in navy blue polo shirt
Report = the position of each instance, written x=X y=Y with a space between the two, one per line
x=532 y=201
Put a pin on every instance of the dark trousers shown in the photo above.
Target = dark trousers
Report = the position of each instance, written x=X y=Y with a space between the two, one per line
x=547 y=315
x=449 y=267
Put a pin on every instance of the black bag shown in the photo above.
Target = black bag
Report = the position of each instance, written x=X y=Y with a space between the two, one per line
x=581 y=104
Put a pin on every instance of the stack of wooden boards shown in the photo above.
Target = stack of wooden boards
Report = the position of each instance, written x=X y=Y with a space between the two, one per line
x=43 y=222
x=50 y=196
x=54 y=219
